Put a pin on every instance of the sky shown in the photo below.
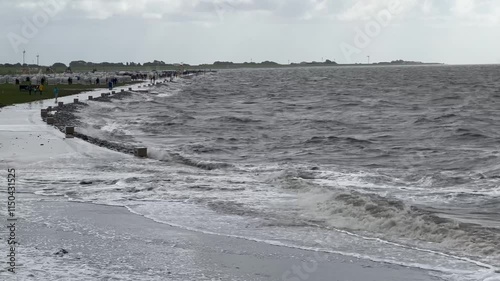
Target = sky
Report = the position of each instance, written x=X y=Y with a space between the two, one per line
x=204 y=31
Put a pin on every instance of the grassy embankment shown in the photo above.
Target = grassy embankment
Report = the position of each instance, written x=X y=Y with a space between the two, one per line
x=4 y=70
x=15 y=70
x=10 y=94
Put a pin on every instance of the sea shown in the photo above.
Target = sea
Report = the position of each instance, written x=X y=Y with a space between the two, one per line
x=395 y=164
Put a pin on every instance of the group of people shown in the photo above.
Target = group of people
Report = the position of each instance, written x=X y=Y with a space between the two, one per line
x=113 y=80
x=41 y=88
x=36 y=88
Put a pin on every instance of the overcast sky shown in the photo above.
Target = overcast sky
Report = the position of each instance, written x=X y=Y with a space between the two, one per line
x=202 y=31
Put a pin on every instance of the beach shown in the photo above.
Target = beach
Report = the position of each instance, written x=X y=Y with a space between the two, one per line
x=112 y=243
x=247 y=180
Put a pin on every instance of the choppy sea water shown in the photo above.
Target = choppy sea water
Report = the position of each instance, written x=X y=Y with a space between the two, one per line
x=393 y=164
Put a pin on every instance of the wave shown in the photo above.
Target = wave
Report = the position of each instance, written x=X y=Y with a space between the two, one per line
x=202 y=149
x=436 y=119
x=334 y=139
x=423 y=120
x=293 y=179
x=470 y=134
x=446 y=98
x=445 y=116
x=205 y=165
x=166 y=156
x=234 y=119
x=393 y=220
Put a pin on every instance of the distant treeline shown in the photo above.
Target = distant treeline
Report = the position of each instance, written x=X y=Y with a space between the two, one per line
x=327 y=62
x=399 y=62
x=156 y=63
x=84 y=66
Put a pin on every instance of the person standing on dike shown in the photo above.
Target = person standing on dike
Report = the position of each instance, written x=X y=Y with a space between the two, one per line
x=56 y=93
x=41 y=88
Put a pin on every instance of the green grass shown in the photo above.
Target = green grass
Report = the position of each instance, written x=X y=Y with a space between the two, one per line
x=10 y=94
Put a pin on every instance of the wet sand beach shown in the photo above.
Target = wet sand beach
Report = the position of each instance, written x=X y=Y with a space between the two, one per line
x=61 y=240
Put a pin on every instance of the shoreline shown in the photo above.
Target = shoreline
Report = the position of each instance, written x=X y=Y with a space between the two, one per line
x=95 y=241
x=65 y=116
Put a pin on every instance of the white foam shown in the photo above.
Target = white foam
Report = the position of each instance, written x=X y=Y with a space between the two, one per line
x=354 y=213
x=195 y=218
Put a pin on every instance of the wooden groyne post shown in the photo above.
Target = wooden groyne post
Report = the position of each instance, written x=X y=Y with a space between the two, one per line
x=141 y=152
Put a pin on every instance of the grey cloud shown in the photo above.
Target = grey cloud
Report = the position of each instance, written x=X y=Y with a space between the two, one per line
x=175 y=9
x=299 y=30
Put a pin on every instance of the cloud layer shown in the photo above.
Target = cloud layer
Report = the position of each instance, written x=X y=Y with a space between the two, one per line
x=485 y=11
x=243 y=29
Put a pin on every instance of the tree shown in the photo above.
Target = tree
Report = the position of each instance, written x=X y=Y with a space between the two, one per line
x=269 y=62
x=78 y=63
x=59 y=65
x=223 y=63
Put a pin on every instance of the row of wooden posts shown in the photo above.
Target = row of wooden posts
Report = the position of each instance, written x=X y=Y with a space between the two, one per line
x=70 y=130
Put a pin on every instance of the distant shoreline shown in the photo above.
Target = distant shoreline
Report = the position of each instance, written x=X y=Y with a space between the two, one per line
x=230 y=65
x=331 y=65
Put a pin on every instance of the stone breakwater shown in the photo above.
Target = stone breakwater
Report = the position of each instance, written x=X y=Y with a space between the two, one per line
x=65 y=116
